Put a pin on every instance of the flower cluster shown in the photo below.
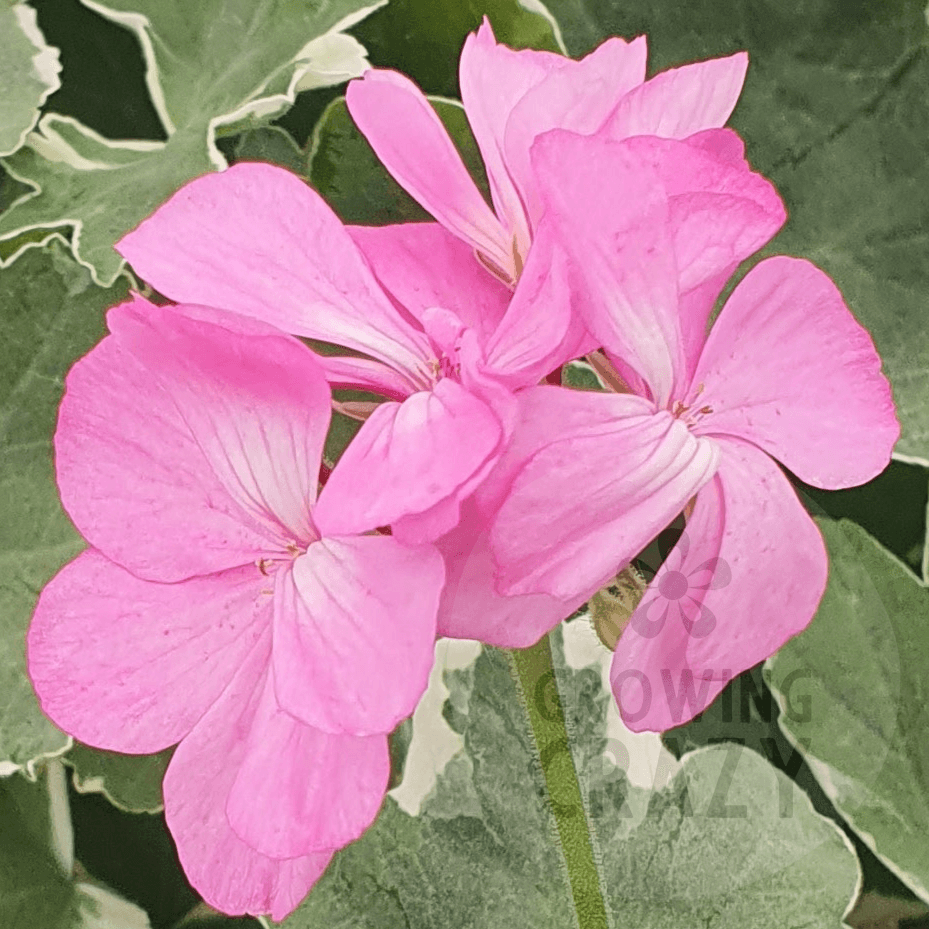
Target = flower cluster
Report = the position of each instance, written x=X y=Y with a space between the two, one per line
x=277 y=618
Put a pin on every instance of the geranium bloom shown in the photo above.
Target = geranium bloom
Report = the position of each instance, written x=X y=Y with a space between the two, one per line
x=442 y=339
x=786 y=372
x=224 y=607
x=510 y=98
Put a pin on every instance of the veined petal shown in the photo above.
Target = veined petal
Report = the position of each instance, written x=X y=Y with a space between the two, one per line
x=299 y=790
x=471 y=608
x=681 y=101
x=259 y=410
x=408 y=457
x=410 y=140
x=611 y=215
x=354 y=628
x=493 y=79
x=257 y=240
x=595 y=495
x=754 y=569
x=164 y=439
x=229 y=874
x=422 y=266
x=131 y=665
x=787 y=367
x=720 y=212
x=577 y=96
x=539 y=331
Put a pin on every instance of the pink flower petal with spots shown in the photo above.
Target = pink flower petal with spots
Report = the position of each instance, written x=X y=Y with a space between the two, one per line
x=131 y=665
x=749 y=526
x=354 y=627
x=255 y=239
x=787 y=367
x=229 y=874
x=408 y=457
x=297 y=790
x=164 y=439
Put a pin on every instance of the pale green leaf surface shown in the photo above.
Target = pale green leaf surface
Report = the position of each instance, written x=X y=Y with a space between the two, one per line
x=217 y=66
x=29 y=70
x=835 y=111
x=484 y=852
x=130 y=782
x=728 y=842
x=38 y=888
x=855 y=694
x=52 y=315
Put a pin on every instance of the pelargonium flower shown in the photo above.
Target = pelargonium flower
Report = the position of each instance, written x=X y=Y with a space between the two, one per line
x=223 y=606
x=512 y=97
x=785 y=373
x=443 y=340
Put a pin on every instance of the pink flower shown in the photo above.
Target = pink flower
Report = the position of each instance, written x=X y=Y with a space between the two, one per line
x=445 y=341
x=786 y=372
x=224 y=607
x=511 y=98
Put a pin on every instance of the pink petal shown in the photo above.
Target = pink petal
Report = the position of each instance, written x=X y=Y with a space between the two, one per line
x=407 y=458
x=299 y=790
x=539 y=331
x=612 y=217
x=131 y=665
x=493 y=79
x=577 y=96
x=367 y=374
x=682 y=101
x=720 y=213
x=788 y=367
x=471 y=608
x=592 y=498
x=184 y=447
x=354 y=629
x=258 y=410
x=421 y=265
x=229 y=874
x=257 y=240
x=754 y=571
x=409 y=138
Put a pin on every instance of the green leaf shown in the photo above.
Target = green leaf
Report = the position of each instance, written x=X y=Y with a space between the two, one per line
x=348 y=175
x=270 y=144
x=854 y=694
x=729 y=842
x=216 y=67
x=38 y=887
x=130 y=782
x=28 y=73
x=423 y=38
x=53 y=314
x=835 y=112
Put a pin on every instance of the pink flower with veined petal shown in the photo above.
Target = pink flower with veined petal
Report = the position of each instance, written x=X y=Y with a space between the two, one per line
x=786 y=372
x=512 y=97
x=222 y=606
x=442 y=339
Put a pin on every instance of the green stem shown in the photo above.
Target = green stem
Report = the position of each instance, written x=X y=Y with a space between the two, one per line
x=535 y=675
